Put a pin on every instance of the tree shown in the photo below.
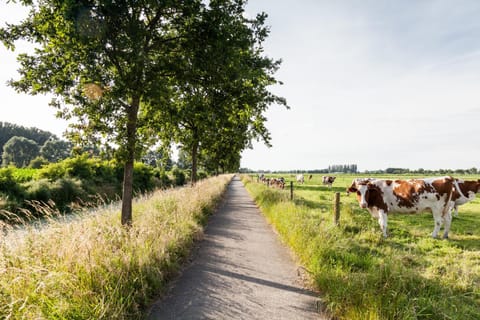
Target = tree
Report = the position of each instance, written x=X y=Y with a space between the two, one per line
x=55 y=150
x=223 y=90
x=9 y=130
x=19 y=151
x=109 y=65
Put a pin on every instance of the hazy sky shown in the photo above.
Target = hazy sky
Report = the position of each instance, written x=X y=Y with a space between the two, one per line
x=374 y=83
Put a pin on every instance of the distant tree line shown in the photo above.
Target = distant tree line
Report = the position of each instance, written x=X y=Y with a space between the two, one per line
x=353 y=169
x=19 y=146
x=472 y=170
x=345 y=168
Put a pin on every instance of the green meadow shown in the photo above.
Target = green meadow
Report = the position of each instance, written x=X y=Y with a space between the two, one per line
x=361 y=275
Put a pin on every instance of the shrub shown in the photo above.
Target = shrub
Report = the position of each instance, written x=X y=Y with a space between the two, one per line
x=142 y=177
x=81 y=167
x=62 y=192
x=202 y=175
x=179 y=177
x=163 y=180
x=52 y=171
x=38 y=163
x=39 y=190
x=67 y=190
x=9 y=186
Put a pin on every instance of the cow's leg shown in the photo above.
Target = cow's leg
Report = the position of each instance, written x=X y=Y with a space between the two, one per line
x=455 y=209
x=447 y=218
x=438 y=223
x=382 y=221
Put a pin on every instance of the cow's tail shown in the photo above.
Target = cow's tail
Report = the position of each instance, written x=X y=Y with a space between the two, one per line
x=448 y=202
x=457 y=187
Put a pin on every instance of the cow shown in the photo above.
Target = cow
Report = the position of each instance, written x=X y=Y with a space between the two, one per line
x=381 y=196
x=278 y=182
x=328 y=180
x=465 y=191
x=300 y=178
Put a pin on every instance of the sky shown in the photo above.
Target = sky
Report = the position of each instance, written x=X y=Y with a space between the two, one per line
x=378 y=84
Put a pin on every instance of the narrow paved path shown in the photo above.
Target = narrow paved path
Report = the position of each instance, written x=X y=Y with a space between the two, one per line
x=240 y=271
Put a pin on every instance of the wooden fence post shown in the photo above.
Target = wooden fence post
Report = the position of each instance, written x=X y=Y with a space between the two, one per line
x=291 y=190
x=336 y=209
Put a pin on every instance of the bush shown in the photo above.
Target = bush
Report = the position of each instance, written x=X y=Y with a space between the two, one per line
x=62 y=192
x=38 y=163
x=81 y=167
x=143 y=177
x=179 y=177
x=67 y=190
x=202 y=175
x=39 y=190
x=164 y=180
x=9 y=186
x=52 y=171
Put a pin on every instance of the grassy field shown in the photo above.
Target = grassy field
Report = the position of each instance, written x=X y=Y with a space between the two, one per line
x=94 y=268
x=360 y=275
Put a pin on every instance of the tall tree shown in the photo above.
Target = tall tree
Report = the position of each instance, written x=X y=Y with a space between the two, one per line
x=55 y=150
x=19 y=151
x=9 y=130
x=224 y=89
x=108 y=63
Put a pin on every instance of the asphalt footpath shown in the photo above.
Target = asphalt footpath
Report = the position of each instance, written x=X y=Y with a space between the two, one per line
x=240 y=270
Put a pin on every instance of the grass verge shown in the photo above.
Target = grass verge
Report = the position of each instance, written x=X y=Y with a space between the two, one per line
x=363 y=276
x=92 y=267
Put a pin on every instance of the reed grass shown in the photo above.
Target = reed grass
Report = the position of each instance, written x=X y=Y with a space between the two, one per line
x=91 y=267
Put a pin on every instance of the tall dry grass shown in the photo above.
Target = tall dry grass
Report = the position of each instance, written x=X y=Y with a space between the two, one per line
x=91 y=267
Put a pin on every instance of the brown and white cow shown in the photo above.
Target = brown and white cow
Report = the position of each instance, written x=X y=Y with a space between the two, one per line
x=407 y=196
x=328 y=180
x=465 y=191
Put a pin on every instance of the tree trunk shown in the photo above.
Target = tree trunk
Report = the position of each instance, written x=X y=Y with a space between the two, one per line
x=194 y=162
x=129 y=161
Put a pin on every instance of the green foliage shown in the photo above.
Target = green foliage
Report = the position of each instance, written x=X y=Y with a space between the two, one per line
x=75 y=179
x=163 y=178
x=179 y=177
x=19 y=151
x=39 y=190
x=9 y=186
x=9 y=130
x=38 y=162
x=143 y=177
x=223 y=88
x=55 y=150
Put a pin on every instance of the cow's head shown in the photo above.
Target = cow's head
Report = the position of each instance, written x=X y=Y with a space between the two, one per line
x=365 y=191
x=356 y=183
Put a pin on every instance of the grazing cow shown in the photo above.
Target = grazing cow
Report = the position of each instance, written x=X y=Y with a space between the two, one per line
x=300 y=178
x=278 y=182
x=328 y=180
x=464 y=192
x=406 y=196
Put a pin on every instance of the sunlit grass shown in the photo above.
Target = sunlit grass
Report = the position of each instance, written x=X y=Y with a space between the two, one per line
x=91 y=267
x=360 y=275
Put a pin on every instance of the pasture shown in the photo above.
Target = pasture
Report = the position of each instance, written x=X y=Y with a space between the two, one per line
x=360 y=274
